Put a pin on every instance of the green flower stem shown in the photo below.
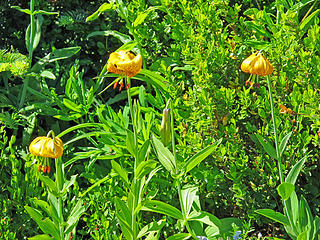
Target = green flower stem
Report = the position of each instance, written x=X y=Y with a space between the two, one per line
x=60 y=183
x=277 y=150
x=275 y=131
x=135 y=191
x=176 y=172
x=26 y=80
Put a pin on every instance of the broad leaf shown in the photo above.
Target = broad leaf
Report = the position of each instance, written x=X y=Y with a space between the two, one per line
x=122 y=172
x=151 y=227
x=189 y=194
x=206 y=218
x=267 y=146
x=163 y=208
x=164 y=155
x=276 y=216
x=285 y=190
x=145 y=168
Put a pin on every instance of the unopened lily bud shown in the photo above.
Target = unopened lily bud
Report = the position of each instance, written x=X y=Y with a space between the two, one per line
x=165 y=130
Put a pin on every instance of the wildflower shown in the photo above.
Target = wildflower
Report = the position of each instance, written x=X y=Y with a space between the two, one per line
x=44 y=148
x=124 y=62
x=202 y=238
x=237 y=235
x=257 y=64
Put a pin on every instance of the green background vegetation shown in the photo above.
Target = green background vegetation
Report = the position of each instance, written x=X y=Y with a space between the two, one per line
x=197 y=47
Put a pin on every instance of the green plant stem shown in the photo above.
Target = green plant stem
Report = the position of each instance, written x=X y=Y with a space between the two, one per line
x=26 y=80
x=277 y=149
x=178 y=180
x=135 y=192
x=275 y=130
x=60 y=182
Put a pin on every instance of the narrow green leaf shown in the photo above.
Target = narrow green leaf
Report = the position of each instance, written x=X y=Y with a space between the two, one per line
x=293 y=208
x=308 y=21
x=41 y=237
x=74 y=216
x=200 y=156
x=42 y=12
x=154 y=79
x=140 y=18
x=71 y=105
x=122 y=173
x=104 y=7
x=179 y=236
x=131 y=147
x=305 y=215
x=164 y=155
x=163 y=208
x=285 y=190
x=64 y=53
x=267 y=146
x=58 y=54
x=257 y=28
x=276 y=216
x=50 y=184
x=295 y=170
x=284 y=143
x=27 y=11
x=145 y=168
x=128 y=46
x=143 y=152
x=49 y=209
x=46 y=225
x=125 y=218
x=37 y=34
x=122 y=37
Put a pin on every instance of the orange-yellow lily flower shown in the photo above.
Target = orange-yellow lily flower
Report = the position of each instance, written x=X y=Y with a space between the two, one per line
x=257 y=64
x=46 y=147
x=124 y=62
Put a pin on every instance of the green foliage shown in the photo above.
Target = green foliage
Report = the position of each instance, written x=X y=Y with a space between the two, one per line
x=222 y=164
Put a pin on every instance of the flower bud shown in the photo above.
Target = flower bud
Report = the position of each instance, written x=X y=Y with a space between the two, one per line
x=165 y=129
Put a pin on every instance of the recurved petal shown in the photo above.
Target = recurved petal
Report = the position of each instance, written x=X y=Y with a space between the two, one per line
x=248 y=63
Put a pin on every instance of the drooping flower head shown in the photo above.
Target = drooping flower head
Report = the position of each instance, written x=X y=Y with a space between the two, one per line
x=257 y=64
x=44 y=148
x=124 y=62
